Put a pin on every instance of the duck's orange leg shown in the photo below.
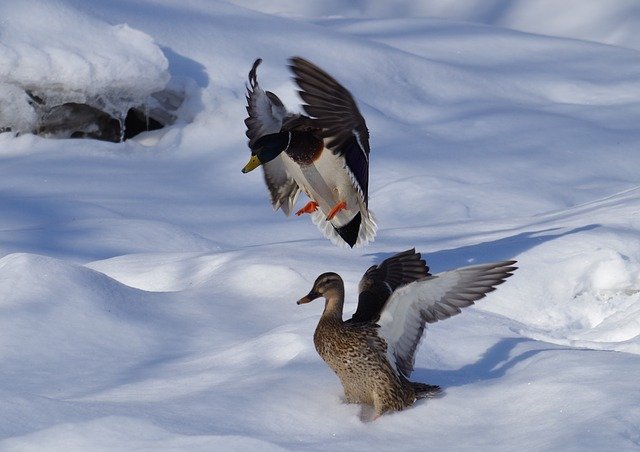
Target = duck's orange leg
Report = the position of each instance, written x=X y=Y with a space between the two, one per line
x=337 y=208
x=309 y=207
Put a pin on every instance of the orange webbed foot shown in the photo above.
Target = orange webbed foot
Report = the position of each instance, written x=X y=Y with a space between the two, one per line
x=309 y=207
x=337 y=208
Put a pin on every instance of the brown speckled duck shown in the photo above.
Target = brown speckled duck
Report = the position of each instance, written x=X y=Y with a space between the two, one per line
x=373 y=352
x=324 y=154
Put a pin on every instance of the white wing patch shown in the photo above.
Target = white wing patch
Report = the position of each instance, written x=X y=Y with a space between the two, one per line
x=357 y=135
x=402 y=320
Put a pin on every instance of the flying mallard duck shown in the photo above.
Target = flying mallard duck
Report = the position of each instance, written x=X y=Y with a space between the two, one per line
x=325 y=154
x=373 y=352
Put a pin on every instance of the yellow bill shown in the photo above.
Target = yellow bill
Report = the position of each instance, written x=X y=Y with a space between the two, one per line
x=254 y=162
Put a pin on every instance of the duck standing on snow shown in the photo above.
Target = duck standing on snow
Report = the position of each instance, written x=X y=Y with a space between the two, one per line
x=325 y=154
x=373 y=352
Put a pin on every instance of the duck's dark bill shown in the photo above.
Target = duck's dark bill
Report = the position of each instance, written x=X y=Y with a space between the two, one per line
x=254 y=162
x=309 y=297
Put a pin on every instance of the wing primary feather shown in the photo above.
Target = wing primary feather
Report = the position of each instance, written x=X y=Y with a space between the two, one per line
x=335 y=111
x=430 y=299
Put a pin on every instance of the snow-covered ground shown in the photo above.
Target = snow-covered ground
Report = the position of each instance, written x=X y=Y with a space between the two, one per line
x=147 y=290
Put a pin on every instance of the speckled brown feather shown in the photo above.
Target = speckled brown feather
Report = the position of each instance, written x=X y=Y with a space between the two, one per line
x=357 y=356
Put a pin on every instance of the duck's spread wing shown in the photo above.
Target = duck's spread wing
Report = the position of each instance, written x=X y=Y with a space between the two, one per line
x=283 y=189
x=379 y=282
x=402 y=320
x=266 y=115
x=335 y=111
x=266 y=111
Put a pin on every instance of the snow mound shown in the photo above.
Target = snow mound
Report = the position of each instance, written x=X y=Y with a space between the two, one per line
x=61 y=56
x=245 y=275
x=586 y=292
x=64 y=324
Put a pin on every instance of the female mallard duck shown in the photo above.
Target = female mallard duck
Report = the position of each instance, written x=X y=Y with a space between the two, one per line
x=325 y=154
x=373 y=352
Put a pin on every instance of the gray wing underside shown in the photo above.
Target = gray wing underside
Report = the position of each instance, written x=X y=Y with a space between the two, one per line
x=283 y=189
x=266 y=115
x=266 y=111
x=403 y=318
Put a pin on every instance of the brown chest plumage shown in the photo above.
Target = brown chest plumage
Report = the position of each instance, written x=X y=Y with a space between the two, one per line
x=305 y=147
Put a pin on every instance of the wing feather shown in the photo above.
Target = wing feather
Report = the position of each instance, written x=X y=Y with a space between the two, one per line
x=402 y=320
x=379 y=282
x=266 y=115
x=337 y=114
x=266 y=111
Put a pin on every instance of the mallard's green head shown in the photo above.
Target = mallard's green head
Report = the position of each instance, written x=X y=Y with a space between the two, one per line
x=267 y=148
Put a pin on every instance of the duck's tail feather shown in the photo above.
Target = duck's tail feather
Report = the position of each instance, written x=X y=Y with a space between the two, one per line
x=360 y=231
x=424 y=391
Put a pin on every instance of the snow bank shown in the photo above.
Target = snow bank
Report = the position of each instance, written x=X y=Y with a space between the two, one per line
x=61 y=55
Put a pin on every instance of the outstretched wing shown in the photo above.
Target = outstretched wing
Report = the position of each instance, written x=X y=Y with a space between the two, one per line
x=266 y=115
x=402 y=320
x=379 y=282
x=335 y=111
x=266 y=111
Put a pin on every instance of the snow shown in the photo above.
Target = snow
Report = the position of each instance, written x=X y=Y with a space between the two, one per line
x=62 y=55
x=147 y=290
x=613 y=22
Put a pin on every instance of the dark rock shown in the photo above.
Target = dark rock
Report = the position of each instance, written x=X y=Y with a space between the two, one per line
x=73 y=120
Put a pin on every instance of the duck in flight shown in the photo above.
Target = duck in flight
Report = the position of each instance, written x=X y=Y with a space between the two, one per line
x=324 y=153
x=373 y=352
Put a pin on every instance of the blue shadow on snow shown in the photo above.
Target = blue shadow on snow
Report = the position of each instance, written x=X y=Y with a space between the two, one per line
x=181 y=66
x=494 y=363
x=493 y=251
